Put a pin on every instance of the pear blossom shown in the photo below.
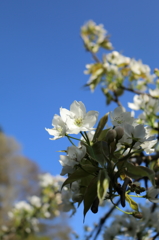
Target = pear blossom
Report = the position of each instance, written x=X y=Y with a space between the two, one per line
x=77 y=119
x=139 y=102
x=154 y=93
x=117 y=59
x=74 y=155
x=120 y=116
x=23 y=206
x=66 y=196
x=150 y=142
x=95 y=36
x=145 y=102
x=141 y=70
x=59 y=129
x=35 y=201
x=152 y=193
x=132 y=133
x=46 y=180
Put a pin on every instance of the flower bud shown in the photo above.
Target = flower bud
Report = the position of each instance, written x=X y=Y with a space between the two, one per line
x=137 y=215
x=111 y=135
x=119 y=131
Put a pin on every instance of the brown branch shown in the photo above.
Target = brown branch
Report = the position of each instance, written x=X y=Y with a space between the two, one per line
x=116 y=99
x=95 y=57
x=99 y=226
x=137 y=92
x=154 y=237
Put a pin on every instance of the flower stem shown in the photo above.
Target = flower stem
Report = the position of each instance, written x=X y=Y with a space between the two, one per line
x=74 y=138
x=70 y=140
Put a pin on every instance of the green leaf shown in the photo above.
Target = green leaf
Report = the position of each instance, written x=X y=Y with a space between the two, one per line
x=101 y=152
x=139 y=171
x=103 y=134
x=103 y=184
x=131 y=202
x=100 y=126
x=90 y=195
x=81 y=172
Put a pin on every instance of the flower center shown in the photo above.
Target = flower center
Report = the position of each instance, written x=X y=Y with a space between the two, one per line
x=59 y=129
x=78 y=122
x=119 y=120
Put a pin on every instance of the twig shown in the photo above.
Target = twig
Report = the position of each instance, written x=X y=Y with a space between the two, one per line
x=154 y=237
x=137 y=92
x=98 y=228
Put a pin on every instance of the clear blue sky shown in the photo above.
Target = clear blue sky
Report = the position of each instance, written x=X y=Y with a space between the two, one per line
x=42 y=61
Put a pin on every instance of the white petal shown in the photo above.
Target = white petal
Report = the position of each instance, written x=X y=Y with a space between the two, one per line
x=65 y=114
x=90 y=119
x=78 y=108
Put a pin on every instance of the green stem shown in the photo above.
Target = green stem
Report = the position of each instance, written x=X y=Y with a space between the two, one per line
x=83 y=135
x=87 y=139
x=130 y=213
x=75 y=138
x=137 y=196
x=70 y=140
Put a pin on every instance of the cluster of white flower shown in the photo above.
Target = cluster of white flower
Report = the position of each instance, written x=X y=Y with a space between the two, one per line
x=127 y=227
x=94 y=37
x=74 y=155
x=117 y=59
x=25 y=210
x=117 y=67
x=73 y=121
x=140 y=70
x=25 y=214
x=126 y=134
x=150 y=107
x=134 y=135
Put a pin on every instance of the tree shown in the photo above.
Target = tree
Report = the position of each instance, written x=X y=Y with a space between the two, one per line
x=116 y=164
x=18 y=175
x=19 y=179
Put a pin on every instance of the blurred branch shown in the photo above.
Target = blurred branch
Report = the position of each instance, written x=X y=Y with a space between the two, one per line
x=102 y=220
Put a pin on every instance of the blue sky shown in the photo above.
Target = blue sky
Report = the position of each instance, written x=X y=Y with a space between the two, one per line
x=42 y=62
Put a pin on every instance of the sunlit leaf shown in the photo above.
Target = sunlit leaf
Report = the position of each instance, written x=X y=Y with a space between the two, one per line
x=131 y=202
x=103 y=184
x=100 y=126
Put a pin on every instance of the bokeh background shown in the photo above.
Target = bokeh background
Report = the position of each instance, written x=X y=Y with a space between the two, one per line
x=42 y=60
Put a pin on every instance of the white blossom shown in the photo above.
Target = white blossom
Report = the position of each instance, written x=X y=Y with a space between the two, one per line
x=59 y=129
x=77 y=119
x=139 y=102
x=141 y=70
x=74 y=155
x=46 y=179
x=22 y=205
x=154 y=93
x=148 y=146
x=132 y=133
x=152 y=193
x=146 y=103
x=35 y=201
x=120 y=116
x=117 y=59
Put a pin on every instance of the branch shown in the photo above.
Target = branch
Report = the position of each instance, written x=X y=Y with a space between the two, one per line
x=99 y=226
x=116 y=99
x=137 y=92
x=154 y=237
